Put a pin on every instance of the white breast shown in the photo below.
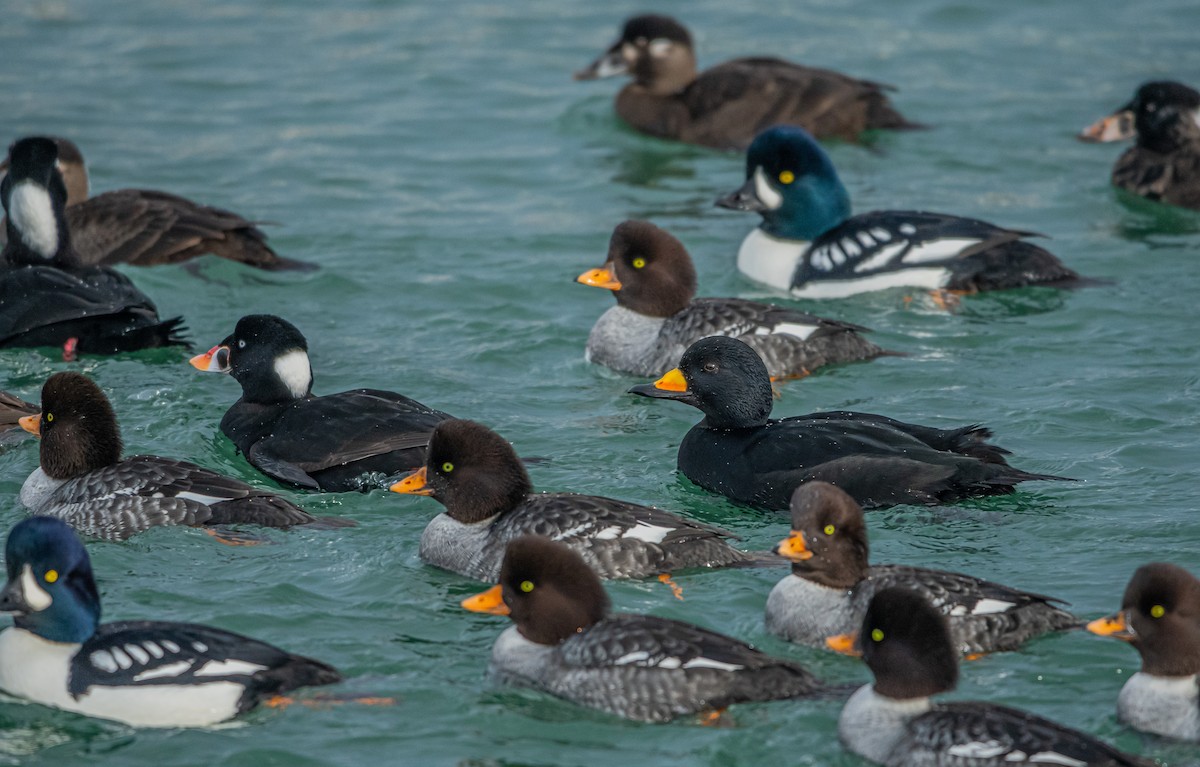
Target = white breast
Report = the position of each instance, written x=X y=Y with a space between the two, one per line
x=37 y=489
x=871 y=724
x=770 y=260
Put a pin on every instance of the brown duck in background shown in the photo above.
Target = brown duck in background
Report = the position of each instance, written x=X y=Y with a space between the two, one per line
x=145 y=227
x=726 y=106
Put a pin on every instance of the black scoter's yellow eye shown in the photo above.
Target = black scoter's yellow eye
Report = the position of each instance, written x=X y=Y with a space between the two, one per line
x=1157 y=611
x=51 y=576
x=527 y=586
x=877 y=635
x=49 y=417
x=639 y=262
x=829 y=529
x=786 y=177
x=447 y=467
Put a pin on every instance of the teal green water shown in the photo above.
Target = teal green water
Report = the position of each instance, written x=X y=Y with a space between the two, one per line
x=450 y=178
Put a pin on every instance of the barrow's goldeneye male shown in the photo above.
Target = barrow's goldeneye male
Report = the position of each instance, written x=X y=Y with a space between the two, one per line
x=489 y=500
x=83 y=480
x=641 y=667
x=657 y=315
x=832 y=582
x=725 y=106
x=810 y=245
x=1164 y=165
x=352 y=440
x=1160 y=617
x=739 y=451
x=907 y=646
x=143 y=673
x=48 y=295
x=145 y=227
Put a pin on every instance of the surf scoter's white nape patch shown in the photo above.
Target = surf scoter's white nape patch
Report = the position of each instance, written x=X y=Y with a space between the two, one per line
x=295 y=371
x=33 y=215
x=35 y=596
x=770 y=260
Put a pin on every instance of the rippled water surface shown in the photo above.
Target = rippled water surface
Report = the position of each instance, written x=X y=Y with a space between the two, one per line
x=451 y=180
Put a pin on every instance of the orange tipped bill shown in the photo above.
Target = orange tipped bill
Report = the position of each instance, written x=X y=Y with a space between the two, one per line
x=215 y=360
x=843 y=643
x=793 y=547
x=32 y=423
x=490 y=601
x=413 y=484
x=1115 y=127
x=600 y=278
x=1114 y=626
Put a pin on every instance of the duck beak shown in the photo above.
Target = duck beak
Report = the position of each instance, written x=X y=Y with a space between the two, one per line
x=793 y=547
x=1114 y=626
x=490 y=601
x=611 y=64
x=12 y=599
x=413 y=484
x=215 y=360
x=671 y=386
x=845 y=644
x=744 y=198
x=1116 y=127
x=604 y=277
x=32 y=424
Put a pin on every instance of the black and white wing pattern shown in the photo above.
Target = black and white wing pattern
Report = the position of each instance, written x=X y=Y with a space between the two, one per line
x=986 y=734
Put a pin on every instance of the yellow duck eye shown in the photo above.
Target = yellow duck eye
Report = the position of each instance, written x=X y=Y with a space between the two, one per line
x=51 y=576
x=877 y=635
x=1157 y=611
x=527 y=586
x=829 y=529
x=786 y=177
x=447 y=467
x=639 y=262
x=49 y=417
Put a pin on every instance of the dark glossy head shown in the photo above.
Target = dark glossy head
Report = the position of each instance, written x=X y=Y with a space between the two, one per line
x=550 y=591
x=792 y=184
x=721 y=376
x=906 y=644
x=1160 y=617
x=267 y=355
x=655 y=50
x=471 y=470
x=50 y=589
x=77 y=425
x=648 y=270
x=828 y=543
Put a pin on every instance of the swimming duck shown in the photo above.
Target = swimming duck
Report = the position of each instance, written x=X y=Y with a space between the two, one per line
x=84 y=481
x=1160 y=617
x=489 y=500
x=566 y=643
x=48 y=296
x=907 y=646
x=657 y=315
x=142 y=673
x=739 y=451
x=352 y=440
x=832 y=582
x=1164 y=165
x=726 y=106
x=810 y=245
x=145 y=227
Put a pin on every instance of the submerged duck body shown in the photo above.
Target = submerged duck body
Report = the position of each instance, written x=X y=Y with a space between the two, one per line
x=565 y=642
x=809 y=245
x=142 y=673
x=832 y=583
x=146 y=227
x=83 y=480
x=352 y=440
x=489 y=502
x=1160 y=617
x=895 y=722
x=1164 y=163
x=657 y=315
x=48 y=295
x=726 y=106
x=737 y=450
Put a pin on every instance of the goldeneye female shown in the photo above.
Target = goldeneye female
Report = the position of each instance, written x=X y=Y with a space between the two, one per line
x=724 y=107
x=810 y=245
x=739 y=451
x=1165 y=163
x=489 y=500
x=352 y=440
x=565 y=642
x=48 y=295
x=142 y=673
x=832 y=582
x=907 y=646
x=657 y=315
x=1160 y=617
x=84 y=481
x=145 y=227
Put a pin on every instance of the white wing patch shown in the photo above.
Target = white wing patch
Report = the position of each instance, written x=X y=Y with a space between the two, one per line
x=648 y=533
x=788 y=328
x=990 y=606
x=103 y=660
x=207 y=500
x=170 y=669
x=32 y=214
x=138 y=653
x=882 y=258
x=710 y=663
x=633 y=657
x=978 y=749
x=938 y=250
x=228 y=667
x=1053 y=757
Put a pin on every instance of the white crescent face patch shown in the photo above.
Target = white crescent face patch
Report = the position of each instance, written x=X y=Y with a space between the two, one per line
x=765 y=192
x=35 y=596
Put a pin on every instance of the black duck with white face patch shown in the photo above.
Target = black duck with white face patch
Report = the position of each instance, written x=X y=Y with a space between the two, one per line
x=353 y=440
x=726 y=106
